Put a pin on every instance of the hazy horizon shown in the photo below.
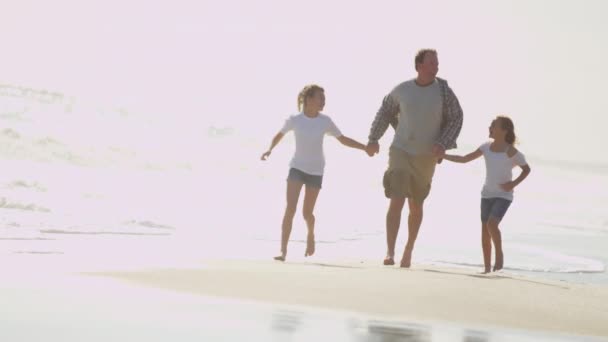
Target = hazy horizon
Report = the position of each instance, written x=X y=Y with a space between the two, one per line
x=240 y=63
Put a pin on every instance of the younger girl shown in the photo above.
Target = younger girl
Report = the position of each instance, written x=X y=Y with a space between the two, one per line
x=308 y=162
x=497 y=194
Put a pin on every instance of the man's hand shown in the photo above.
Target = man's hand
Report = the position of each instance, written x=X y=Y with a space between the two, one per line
x=372 y=148
x=438 y=151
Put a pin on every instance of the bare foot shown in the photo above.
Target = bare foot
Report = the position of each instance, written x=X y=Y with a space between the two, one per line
x=486 y=271
x=310 y=245
x=388 y=261
x=499 y=262
x=281 y=257
x=406 y=261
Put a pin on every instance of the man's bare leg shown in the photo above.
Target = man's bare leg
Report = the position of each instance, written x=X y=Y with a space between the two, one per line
x=486 y=247
x=310 y=198
x=393 y=221
x=497 y=239
x=414 y=221
x=293 y=193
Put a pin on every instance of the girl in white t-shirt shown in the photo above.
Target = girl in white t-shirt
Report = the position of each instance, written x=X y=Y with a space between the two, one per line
x=497 y=194
x=308 y=162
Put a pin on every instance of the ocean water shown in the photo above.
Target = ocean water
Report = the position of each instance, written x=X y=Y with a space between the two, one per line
x=92 y=185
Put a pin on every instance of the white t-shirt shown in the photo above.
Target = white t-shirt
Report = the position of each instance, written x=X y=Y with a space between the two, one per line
x=499 y=171
x=309 y=133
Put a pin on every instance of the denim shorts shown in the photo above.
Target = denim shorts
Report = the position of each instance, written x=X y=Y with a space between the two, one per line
x=296 y=175
x=495 y=207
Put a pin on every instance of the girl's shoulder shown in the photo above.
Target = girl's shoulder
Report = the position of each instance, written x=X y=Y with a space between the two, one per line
x=325 y=117
x=295 y=117
x=485 y=146
x=512 y=151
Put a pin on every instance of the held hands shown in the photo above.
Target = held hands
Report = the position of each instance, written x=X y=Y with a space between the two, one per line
x=372 y=148
x=508 y=186
x=438 y=152
x=265 y=155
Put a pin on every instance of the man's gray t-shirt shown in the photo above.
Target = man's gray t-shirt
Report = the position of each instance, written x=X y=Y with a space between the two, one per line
x=420 y=115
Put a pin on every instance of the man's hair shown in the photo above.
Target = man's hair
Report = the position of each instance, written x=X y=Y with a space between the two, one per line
x=420 y=56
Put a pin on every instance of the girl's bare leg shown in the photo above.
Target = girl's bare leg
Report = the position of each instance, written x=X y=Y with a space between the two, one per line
x=293 y=193
x=310 y=199
x=486 y=246
x=497 y=239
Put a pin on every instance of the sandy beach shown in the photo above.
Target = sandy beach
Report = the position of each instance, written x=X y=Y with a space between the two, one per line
x=134 y=205
x=421 y=293
x=236 y=300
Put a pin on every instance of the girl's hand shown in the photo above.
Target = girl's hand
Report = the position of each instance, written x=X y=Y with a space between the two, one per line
x=508 y=186
x=438 y=151
x=265 y=155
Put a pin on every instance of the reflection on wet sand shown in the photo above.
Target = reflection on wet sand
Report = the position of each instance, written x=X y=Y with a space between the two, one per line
x=383 y=332
x=294 y=325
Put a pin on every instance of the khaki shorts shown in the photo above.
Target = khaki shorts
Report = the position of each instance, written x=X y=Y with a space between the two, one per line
x=408 y=175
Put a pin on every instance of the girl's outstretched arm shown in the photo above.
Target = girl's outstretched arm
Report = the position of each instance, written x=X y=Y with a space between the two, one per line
x=274 y=143
x=463 y=159
x=346 y=141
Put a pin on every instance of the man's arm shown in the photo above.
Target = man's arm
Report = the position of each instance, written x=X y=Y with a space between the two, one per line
x=387 y=114
x=452 y=120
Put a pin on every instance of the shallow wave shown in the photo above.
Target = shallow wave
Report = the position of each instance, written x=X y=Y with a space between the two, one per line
x=318 y=241
x=148 y=224
x=25 y=239
x=15 y=146
x=37 y=95
x=48 y=141
x=6 y=204
x=27 y=185
x=538 y=260
x=109 y=232
x=601 y=229
x=10 y=133
x=37 y=252
x=600 y=269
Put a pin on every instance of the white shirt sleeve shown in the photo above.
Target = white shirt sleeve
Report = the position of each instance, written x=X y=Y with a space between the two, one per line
x=332 y=129
x=519 y=159
x=484 y=147
x=288 y=126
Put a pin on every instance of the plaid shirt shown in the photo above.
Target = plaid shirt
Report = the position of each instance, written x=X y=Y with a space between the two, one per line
x=451 y=122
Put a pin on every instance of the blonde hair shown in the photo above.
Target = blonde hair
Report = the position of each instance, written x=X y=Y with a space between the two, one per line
x=306 y=92
x=507 y=124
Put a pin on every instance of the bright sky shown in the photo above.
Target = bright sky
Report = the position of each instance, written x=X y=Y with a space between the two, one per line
x=541 y=62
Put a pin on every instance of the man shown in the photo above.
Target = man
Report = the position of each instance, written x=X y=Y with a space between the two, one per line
x=427 y=119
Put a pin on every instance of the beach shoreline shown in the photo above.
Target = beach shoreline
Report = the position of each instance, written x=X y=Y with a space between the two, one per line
x=343 y=300
x=420 y=293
